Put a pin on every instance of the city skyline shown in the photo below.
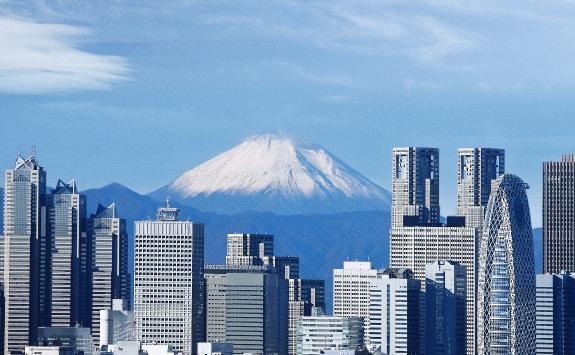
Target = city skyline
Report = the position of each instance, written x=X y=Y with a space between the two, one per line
x=168 y=86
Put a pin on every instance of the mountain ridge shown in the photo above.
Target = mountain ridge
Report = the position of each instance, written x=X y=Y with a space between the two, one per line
x=276 y=174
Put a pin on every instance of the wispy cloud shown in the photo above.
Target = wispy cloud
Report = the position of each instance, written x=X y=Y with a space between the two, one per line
x=44 y=58
x=342 y=79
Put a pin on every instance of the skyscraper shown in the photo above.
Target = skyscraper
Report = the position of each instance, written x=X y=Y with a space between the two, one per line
x=445 y=303
x=69 y=257
x=258 y=249
x=169 y=281
x=555 y=313
x=247 y=305
x=477 y=168
x=110 y=278
x=24 y=258
x=416 y=242
x=506 y=277
x=394 y=313
x=559 y=215
x=415 y=194
x=351 y=291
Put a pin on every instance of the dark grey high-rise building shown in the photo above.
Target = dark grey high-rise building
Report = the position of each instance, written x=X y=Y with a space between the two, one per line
x=415 y=186
x=555 y=313
x=110 y=277
x=559 y=215
x=247 y=305
x=244 y=249
x=24 y=259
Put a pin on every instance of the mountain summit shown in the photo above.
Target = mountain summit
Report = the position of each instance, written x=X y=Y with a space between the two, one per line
x=275 y=174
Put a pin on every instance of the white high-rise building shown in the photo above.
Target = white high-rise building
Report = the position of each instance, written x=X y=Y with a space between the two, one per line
x=394 y=313
x=415 y=247
x=169 y=281
x=351 y=291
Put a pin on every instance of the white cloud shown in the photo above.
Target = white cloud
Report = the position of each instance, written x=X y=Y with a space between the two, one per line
x=44 y=58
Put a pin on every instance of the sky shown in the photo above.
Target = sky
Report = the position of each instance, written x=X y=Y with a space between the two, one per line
x=138 y=92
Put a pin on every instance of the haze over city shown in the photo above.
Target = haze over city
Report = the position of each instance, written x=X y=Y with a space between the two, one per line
x=140 y=92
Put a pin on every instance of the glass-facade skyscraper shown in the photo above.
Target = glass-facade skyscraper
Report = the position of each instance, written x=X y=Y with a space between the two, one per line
x=24 y=253
x=559 y=215
x=506 y=277
x=110 y=277
x=69 y=281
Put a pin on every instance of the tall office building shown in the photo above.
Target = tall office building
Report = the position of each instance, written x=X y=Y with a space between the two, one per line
x=559 y=215
x=415 y=242
x=415 y=247
x=351 y=291
x=69 y=284
x=257 y=249
x=506 y=277
x=415 y=187
x=169 y=281
x=476 y=169
x=555 y=318
x=24 y=258
x=394 y=313
x=247 y=305
x=445 y=305
x=110 y=277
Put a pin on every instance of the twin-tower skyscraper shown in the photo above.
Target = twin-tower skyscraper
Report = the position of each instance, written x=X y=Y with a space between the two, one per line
x=490 y=235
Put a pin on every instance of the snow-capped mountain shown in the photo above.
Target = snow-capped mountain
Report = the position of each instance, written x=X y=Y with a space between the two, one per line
x=276 y=174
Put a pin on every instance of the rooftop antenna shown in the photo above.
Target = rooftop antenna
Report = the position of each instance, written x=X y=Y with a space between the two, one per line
x=34 y=150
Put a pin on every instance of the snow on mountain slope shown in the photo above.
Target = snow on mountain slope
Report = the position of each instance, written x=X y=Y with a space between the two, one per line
x=275 y=174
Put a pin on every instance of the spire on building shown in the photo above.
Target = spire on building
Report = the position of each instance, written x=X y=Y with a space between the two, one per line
x=167 y=213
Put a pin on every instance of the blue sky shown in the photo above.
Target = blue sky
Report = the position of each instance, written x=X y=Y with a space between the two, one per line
x=138 y=92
